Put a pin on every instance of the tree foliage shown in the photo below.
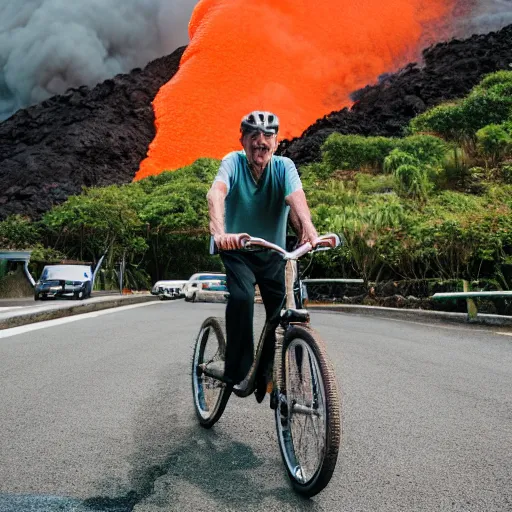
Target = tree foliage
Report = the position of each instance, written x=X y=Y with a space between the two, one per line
x=18 y=232
x=490 y=102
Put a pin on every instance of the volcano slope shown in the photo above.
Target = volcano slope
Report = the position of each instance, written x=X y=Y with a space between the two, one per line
x=98 y=137
x=90 y=137
x=449 y=71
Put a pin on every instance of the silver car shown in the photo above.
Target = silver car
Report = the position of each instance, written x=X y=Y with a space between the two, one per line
x=171 y=289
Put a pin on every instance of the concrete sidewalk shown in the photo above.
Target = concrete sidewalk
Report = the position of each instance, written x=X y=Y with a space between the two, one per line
x=12 y=316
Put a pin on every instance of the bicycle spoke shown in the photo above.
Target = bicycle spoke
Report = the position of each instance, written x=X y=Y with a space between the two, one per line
x=210 y=394
x=306 y=416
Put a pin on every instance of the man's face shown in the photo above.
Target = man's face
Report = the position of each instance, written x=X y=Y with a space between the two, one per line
x=259 y=147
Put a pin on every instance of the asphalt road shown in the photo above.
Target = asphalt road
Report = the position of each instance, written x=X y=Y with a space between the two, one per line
x=96 y=415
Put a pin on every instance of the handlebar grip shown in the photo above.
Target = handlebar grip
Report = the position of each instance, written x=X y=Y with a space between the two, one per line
x=329 y=241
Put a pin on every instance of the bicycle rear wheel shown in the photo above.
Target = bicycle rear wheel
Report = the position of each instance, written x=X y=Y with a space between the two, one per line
x=308 y=413
x=210 y=395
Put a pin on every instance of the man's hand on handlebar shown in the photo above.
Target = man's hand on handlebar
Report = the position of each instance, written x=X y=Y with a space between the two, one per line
x=311 y=237
x=234 y=241
x=230 y=241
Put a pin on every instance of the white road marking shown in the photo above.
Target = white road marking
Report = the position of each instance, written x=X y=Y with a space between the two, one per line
x=13 y=331
x=10 y=307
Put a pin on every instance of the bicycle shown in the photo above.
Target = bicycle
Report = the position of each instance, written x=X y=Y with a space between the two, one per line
x=304 y=391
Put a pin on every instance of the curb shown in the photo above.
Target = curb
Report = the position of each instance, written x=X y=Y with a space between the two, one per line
x=417 y=314
x=15 y=319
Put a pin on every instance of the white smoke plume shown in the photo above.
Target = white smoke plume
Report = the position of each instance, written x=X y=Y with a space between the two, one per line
x=48 y=46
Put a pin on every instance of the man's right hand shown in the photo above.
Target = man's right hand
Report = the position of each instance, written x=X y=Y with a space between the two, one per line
x=230 y=241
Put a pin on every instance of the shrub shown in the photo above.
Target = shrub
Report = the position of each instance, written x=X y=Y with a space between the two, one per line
x=445 y=120
x=355 y=151
x=506 y=173
x=482 y=108
x=312 y=173
x=332 y=193
x=18 y=232
x=412 y=181
x=426 y=148
x=456 y=166
x=397 y=158
x=493 y=79
x=490 y=102
x=380 y=183
x=493 y=141
x=367 y=229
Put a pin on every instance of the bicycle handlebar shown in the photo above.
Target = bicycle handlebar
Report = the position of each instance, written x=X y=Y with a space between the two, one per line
x=324 y=242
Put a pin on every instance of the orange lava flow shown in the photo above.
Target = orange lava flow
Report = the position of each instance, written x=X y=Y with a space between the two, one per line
x=297 y=58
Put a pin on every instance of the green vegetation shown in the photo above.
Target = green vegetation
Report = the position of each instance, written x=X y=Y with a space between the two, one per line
x=436 y=203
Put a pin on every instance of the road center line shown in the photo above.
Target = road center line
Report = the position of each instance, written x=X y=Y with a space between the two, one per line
x=13 y=331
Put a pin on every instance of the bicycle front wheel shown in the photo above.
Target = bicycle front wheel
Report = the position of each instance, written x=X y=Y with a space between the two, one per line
x=210 y=395
x=308 y=413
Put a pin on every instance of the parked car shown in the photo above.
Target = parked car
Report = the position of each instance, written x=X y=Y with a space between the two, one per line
x=172 y=289
x=204 y=282
x=72 y=281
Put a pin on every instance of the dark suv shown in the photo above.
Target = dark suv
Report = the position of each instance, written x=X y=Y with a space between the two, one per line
x=72 y=281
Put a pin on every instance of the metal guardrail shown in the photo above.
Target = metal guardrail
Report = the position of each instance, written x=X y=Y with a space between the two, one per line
x=465 y=295
x=470 y=303
x=358 y=281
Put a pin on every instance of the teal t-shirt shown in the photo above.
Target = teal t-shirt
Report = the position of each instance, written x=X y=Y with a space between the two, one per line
x=258 y=208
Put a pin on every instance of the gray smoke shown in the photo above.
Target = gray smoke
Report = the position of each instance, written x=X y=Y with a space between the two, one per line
x=48 y=46
x=484 y=16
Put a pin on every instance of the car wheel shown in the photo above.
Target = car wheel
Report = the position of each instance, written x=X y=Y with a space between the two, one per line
x=79 y=295
x=194 y=297
x=37 y=296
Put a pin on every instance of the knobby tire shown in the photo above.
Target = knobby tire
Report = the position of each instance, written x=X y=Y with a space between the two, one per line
x=332 y=408
x=208 y=415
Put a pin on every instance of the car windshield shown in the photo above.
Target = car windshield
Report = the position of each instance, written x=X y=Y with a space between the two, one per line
x=214 y=276
x=67 y=272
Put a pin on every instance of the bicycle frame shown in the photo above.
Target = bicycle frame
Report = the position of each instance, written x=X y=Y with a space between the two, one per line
x=293 y=298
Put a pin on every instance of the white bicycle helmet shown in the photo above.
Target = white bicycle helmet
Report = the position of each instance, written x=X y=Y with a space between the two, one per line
x=259 y=120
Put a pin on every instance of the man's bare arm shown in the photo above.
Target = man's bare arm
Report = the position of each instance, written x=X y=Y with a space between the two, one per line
x=216 y=197
x=216 y=209
x=295 y=222
x=300 y=216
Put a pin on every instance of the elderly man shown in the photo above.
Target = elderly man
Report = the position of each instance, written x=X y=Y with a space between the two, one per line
x=253 y=193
